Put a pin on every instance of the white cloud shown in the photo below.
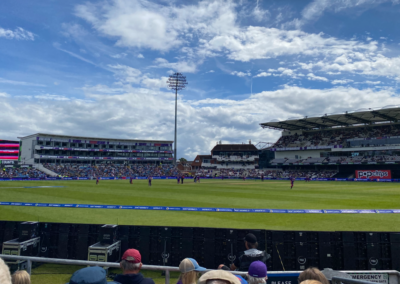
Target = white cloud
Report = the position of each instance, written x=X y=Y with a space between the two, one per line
x=342 y=82
x=52 y=97
x=311 y=76
x=364 y=63
x=127 y=74
x=316 y=9
x=21 y=83
x=4 y=95
x=18 y=33
x=241 y=74
x=372 y=82
x=140 y=55
x=155 y=83
x=144 y=24
x=263 y=74
x=119 y=55
x=181 y=66
x=261 y=43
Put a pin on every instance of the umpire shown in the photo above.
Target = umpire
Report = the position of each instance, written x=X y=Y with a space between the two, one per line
x=245 y=258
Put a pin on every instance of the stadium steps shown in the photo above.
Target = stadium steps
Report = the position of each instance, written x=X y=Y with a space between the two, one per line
x=41 y=168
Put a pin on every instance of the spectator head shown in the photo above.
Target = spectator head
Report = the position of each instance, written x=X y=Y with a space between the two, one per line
x=218 y=277
x=311 y=282
x=90 y=275
x=312 y=273
x=250 y=241
x=21 y=277
x=257 y=273
x=189 y=271
x=131 y=261
x=5 y=277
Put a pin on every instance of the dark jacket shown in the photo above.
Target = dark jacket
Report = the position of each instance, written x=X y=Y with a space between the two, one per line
x=248 y=256
x=133 y=279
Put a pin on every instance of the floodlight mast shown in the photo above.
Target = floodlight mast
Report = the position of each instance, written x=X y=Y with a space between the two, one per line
x=176 y=82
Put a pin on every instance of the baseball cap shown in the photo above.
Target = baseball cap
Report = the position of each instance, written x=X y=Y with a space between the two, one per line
x=250 y=238
x=219 y=274
x=258 y=269
x=189 y=264
x=132 y=255
x=89 y=275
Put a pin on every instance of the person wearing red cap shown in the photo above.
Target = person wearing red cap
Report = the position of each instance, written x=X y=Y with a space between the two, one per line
x=131 y=264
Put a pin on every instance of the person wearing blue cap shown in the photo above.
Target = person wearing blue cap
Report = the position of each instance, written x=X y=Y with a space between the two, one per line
x=90 y=275
x=189 y=271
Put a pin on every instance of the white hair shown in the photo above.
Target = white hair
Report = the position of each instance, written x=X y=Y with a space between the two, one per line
x=256 y=280
x=128 y=266
x=5 y=276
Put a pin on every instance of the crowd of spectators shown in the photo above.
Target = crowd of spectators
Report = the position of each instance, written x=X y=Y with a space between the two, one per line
x=257 y=173
x=335 y=137
x=112 y=170
x=21 y=172
x=338 y=160
x=254 y=272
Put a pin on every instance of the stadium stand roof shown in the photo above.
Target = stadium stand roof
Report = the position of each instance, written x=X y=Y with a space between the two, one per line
x=234 y=147
x=349 y=118
x=94 y=138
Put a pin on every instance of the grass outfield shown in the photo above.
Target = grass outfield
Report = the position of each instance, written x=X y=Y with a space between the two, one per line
x=209 y=193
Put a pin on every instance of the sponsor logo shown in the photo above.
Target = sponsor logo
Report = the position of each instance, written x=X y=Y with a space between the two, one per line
x=381 y=174
x=373 y=261
x=301 y=260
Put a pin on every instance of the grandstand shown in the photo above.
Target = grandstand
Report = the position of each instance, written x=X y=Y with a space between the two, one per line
x=9 y=151
x=48 y=155
x=229 y=156
x=342 y=143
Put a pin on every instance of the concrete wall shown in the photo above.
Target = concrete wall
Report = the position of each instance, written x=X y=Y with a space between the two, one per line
x=27 y=151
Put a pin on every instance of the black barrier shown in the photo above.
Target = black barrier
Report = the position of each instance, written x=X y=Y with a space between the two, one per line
x=289 y=250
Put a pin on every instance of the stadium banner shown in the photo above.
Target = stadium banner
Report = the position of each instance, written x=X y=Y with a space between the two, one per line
x=207 y=209
x=382 y=278
x=284 y=278
x=373 y=174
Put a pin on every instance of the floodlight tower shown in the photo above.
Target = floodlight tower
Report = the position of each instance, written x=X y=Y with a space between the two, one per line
x=176 y=82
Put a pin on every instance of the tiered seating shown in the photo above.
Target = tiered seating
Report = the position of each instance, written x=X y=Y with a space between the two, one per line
x=21 y=172
x=335 y=137
x=112 y=170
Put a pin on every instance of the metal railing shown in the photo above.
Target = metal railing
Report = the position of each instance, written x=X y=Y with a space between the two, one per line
x=394 y=275
x=30 y=259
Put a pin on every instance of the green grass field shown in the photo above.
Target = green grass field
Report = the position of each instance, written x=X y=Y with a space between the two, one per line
x=209 y=193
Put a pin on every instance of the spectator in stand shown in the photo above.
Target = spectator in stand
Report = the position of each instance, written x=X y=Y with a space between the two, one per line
x=242 y=263
x=20 y=277
x=257 y=273
x=189 y=269
x=312 y=273
x=310 y=282
x=89 y=275
x=218 y=277
x=131 y=264
x=226 y=268
x=5 y=277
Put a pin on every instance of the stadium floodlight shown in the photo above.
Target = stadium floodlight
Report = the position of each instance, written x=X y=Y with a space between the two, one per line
x=176 y=82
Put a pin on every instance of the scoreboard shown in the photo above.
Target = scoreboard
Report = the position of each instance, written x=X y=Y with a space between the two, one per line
x=9 y=150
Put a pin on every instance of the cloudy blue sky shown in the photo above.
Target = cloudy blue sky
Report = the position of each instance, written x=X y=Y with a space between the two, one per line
x=99 y=68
